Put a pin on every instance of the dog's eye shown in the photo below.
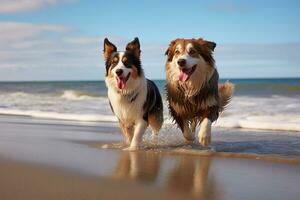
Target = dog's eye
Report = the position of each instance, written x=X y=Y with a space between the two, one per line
x=128 y=66
x=114 y=61
x=177 y=52
x=192 y=51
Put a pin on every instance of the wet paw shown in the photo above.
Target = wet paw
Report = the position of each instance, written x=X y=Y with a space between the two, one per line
x=188 y=142
x=189 y=137
x=131 y=148
x=205 y=140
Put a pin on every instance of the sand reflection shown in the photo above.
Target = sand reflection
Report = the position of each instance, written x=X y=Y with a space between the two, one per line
x=139 y=166
x=188 y=175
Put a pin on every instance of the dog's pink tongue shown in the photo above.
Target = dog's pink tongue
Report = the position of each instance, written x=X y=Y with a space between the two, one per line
x=183 y=76
x=121 y=83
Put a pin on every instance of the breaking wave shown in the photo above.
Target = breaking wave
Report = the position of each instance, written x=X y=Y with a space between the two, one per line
x=75 y=95
x=250 y=112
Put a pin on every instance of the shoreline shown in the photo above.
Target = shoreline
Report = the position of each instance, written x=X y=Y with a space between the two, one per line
x=41 y=159
x=227 y=142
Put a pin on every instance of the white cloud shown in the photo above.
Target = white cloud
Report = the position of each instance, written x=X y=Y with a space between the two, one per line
x=258 y=60
x=48 y=49
x=91 y=40
x=82 y=40
x=13 y=31
x=259 y=51
x=13 y=6
x=32 y=45
x=51 y=52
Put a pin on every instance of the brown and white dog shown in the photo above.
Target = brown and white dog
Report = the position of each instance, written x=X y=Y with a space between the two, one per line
x=193 y=92
x=135 y=100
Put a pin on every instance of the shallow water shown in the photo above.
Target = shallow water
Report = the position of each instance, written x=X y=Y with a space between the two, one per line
x=236 y=166
x=268 y=145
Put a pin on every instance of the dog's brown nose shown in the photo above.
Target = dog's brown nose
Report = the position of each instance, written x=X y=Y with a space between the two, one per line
x=119 y=72
x=181 y=62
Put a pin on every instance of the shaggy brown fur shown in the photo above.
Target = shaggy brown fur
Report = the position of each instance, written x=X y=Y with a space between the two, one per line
x=200 y=96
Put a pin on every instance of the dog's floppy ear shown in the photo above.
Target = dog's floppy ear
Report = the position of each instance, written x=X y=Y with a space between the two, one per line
x=134 y=47
x=170 y=51
x=108 y=49
x=209 y=44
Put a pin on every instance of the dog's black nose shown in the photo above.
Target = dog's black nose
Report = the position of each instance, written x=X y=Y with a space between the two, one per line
x=119 y=72
x=181 y=62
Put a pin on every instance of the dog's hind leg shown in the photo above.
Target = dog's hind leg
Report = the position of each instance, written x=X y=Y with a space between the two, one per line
x=155 y=122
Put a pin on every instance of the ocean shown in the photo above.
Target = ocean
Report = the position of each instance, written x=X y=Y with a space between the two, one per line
x=268 y=104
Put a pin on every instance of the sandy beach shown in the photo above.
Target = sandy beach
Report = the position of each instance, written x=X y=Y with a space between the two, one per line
x=47 y=159
x=73 y=71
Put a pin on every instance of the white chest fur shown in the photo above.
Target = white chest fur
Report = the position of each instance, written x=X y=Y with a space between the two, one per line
x=125 y=110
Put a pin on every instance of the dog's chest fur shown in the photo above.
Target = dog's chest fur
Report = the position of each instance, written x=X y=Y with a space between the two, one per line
x=128 y=108
x=190 y=107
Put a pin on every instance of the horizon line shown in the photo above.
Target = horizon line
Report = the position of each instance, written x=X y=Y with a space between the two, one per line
x=94 y=80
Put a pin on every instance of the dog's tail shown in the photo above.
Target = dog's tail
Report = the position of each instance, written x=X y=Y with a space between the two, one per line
x=225 y=94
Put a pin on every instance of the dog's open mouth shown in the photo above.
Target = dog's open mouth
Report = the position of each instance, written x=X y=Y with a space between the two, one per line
x=121 y=81
x=186 y=73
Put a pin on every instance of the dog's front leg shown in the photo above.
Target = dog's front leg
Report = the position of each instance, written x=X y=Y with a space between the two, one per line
x=185 y=129
x=127 y=133
x=139 y=130
x=188 y=135
x=205 y=132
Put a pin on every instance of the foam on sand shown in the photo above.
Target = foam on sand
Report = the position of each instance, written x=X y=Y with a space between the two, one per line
x=269 y=113
x=266 y=122
x=62 y=116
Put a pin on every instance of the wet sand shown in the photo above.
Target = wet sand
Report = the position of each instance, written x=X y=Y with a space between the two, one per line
x=42 y=159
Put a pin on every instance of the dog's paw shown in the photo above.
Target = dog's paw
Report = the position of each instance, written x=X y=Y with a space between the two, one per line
x=189 y=142
x=131 y=148
x=205 y=140
x=189 y=137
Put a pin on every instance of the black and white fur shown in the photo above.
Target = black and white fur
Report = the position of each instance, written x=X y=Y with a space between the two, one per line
x=135 y=100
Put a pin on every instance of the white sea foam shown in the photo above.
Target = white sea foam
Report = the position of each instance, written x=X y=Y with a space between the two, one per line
x=274 y=113
x=19 y=94
x=76 y=108
x=270 y=113
x=267 y=122
x=75 y=95
x=62 y=116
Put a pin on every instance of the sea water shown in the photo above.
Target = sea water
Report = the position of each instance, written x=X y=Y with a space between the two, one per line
x=270 y=104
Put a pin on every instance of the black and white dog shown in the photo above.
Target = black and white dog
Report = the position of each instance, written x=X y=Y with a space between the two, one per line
x=135 y=100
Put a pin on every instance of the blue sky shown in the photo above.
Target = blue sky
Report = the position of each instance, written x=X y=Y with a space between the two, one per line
x=62 y=39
